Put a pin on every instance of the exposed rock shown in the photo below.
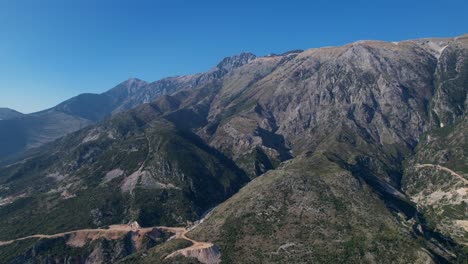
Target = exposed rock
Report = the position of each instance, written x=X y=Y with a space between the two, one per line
x=134 y=225
x=115 y=173
x=206 y=255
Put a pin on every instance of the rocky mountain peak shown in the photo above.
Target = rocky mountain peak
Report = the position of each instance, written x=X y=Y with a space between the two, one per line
x=128 y=87
x=133 y=80
x=235 y=61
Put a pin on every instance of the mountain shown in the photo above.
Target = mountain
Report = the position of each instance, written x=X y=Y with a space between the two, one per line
x=350 y=154
x=7 y=113
x=33 y=130
x=351 y=125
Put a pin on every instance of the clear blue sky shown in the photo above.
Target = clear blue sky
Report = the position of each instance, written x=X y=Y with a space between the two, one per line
x=51 y=50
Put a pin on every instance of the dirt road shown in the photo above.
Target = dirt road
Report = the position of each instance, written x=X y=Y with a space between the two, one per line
x=112 y=229
x=180 y=233
x=442 y=168
x=205 y=252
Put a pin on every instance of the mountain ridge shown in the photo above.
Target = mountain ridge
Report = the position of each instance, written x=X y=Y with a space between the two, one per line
x=82 y=110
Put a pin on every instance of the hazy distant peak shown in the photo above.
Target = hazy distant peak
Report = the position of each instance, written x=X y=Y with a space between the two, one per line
x=8 y=113
x=7 y=109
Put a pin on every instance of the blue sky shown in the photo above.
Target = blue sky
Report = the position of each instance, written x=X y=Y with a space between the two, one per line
x=51 y=50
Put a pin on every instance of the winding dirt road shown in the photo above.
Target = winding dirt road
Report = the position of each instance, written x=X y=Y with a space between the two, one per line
x=442 y=168
x=80 y=237
x=112 y=229
x=180 y=233
x=206 y=253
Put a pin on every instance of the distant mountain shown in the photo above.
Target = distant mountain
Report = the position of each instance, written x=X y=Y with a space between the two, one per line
x=20 y=134
x=350 y=154
x=7 y=113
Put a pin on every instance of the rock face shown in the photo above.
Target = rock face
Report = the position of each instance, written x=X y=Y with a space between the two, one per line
x=339 y=142
x=280 y=105
x=450 y=100
x=206 y=255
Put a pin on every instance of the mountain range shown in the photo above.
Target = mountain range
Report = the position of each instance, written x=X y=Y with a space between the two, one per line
x=19 y=133
x=349 y=154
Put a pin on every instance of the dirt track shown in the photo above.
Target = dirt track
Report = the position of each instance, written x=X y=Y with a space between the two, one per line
x=113 y=230
x=442 y=168
x=180 y=233
x=205 y=252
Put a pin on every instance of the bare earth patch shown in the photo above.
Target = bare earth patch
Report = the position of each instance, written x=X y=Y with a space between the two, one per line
x=463 y=224
x=11 y=199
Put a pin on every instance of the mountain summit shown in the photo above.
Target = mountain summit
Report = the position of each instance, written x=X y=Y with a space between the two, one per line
x=233 y=62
